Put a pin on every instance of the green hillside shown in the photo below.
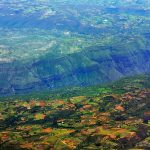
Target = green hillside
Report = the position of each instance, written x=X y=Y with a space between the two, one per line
x=121 y=86
x=115 y=116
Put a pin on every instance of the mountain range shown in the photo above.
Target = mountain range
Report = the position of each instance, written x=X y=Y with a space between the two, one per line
x=51 y=45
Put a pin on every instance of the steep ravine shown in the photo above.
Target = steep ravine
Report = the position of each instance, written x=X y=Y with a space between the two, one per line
x=78 y=69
